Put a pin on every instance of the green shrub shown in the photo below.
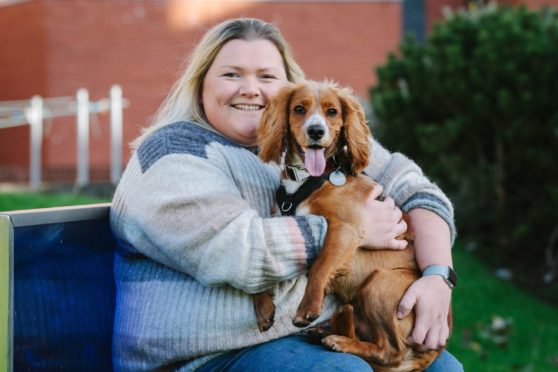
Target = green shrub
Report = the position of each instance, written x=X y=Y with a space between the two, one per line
x=477 y=107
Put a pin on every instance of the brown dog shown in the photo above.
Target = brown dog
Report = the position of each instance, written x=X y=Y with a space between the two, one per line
x=320 y=130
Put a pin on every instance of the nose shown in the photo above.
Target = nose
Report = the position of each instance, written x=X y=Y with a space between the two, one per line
x=249 y=88
x=315 y=131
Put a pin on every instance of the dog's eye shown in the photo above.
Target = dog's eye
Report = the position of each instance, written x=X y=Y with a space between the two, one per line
x=299 y=109
x=331 y=112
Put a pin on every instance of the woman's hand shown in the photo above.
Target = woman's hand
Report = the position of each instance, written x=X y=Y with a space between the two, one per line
x=382 y=223
x=430 y=296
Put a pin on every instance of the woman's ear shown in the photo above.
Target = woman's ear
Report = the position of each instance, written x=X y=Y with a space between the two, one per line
x=272 y=131
x=355 y=130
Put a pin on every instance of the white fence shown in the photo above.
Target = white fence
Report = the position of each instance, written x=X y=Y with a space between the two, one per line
x=33 y=112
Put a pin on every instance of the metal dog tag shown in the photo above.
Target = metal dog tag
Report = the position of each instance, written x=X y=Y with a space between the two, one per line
x=337 y=178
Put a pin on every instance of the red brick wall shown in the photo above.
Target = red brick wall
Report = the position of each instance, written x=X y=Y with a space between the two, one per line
x=22 y=62
x=53 y=47
x=136 y=44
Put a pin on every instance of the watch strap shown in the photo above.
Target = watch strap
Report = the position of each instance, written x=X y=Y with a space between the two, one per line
x=444 y=271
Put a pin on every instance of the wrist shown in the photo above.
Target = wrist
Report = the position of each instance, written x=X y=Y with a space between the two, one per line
x=445 y=272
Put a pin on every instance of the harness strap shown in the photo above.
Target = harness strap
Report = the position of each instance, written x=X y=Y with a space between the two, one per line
x=289 y=202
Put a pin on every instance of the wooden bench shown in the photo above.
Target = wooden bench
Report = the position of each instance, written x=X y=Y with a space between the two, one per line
x=57 y=289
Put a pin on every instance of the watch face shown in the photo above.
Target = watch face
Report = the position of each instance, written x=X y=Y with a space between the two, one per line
x=452 y=277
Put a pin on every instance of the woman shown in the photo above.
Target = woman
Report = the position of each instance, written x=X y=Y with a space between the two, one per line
x=193 y=217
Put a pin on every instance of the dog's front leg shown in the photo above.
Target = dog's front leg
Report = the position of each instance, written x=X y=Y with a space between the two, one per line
x=340 y=244
x=265 y=310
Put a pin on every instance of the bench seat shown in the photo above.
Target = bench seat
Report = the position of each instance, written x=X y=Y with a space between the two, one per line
x=57 y=289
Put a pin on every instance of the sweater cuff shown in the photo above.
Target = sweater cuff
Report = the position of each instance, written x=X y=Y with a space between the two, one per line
x=313 y=229
x=433 y=204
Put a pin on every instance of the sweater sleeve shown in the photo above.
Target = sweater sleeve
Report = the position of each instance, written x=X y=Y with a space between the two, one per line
x=189 y=213
x=405 y=182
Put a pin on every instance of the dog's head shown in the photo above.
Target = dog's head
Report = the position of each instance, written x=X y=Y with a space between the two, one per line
x=314 y=121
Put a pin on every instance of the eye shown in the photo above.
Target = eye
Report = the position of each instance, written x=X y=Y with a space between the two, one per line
x=331 y=112
x=268 y=77
x=231 y=74
x=299 y=109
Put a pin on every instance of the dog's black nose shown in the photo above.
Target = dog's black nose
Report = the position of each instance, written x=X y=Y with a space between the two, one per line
x=315 y=132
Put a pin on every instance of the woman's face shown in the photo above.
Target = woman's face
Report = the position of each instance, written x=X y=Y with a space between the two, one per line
x=238 y=86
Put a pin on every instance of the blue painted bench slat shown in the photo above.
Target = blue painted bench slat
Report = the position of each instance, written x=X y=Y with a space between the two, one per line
x=60 y=292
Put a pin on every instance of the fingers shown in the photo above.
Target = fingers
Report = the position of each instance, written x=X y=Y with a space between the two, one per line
x=400 y=227
x=425 y=339
x=389 y=203
x=407 y=303
x=431 y=329
x=421 y=331
x=383 y=223
x=425 y=335
x=419 y=335
x=397 y=244
x=376 y=191
x=435 y=339
x=398 y=215
x=444 y=335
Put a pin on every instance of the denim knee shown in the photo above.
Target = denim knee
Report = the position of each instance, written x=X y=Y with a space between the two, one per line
x=334 y=361
x=445 y=363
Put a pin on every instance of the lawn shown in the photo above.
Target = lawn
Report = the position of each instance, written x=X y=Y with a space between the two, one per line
x=15 y=201
x=497 y=327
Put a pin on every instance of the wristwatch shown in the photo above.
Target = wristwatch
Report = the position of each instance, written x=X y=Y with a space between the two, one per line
x=444 y=271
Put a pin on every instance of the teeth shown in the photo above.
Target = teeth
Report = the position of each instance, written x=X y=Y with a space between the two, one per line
x=247 y=107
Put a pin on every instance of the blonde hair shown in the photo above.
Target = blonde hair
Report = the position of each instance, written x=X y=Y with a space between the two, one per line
x=183 y=103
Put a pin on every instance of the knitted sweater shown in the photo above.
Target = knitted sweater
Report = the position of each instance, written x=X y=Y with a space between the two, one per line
x=192 y=215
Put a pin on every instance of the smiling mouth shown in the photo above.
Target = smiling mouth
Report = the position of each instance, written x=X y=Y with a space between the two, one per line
x=245 y=107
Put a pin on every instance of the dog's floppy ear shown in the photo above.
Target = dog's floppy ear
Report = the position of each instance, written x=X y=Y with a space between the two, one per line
x=273 y=128
x=355 y=130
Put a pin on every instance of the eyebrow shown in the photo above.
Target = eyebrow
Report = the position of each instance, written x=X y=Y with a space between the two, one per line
x=264 y=69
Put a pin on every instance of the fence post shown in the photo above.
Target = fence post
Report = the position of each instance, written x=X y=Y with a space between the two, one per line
x=35 y=118
x=82 y=98
x=115 y=133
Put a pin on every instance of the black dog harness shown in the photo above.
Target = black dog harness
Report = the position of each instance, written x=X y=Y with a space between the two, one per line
x=336 y=173
x=289 y=202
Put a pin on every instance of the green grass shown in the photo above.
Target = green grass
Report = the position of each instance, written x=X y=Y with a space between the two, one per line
x=528 y=338
x=16 y=201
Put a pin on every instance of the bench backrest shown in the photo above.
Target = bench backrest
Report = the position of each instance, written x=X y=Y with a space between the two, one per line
x=57 y=289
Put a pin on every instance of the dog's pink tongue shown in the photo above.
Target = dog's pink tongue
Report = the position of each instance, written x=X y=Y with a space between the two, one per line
x=314 y=160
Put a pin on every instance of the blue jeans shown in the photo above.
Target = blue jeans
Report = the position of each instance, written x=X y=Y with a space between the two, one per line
x=296 y=353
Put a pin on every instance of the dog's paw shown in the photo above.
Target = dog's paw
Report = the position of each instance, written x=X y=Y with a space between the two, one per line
x=304 y=320
x=336 y=343
x=309 y=310
x=266 y=318
x=265 y=324
x=265 y=311
x=318 y=333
